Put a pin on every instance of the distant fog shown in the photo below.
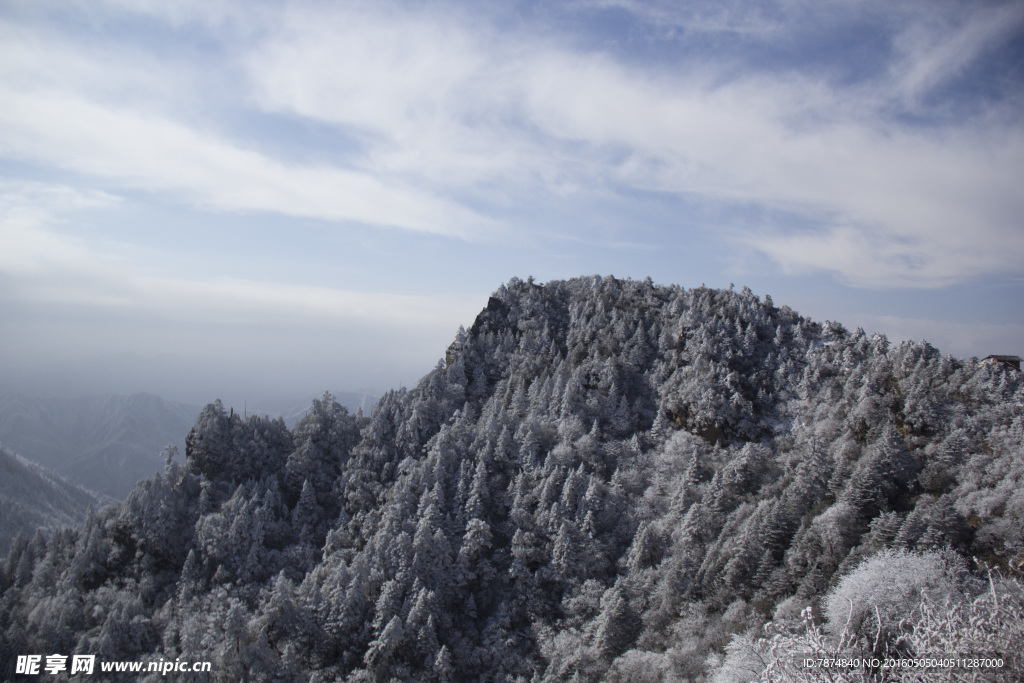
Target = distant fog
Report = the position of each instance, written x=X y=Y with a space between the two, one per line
x=272 y=387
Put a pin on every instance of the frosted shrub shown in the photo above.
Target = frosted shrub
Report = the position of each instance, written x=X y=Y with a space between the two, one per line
x=744 y=661
x=785 y=646
x=871 y=601
x=637 y=666
x=991 y=625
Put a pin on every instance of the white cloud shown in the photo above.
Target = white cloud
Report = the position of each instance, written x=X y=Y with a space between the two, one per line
x=890 y=207
x=431 y=97
x=26 y=211
x=436 y=96
x=747 y=18
x=870 y=259
x=49 y=267
x=40 y=199
x=153 y=153
x=939 y=45
x=113 y=115
x=209 y=13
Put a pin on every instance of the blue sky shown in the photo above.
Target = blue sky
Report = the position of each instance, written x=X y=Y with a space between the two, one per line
x=249 y=199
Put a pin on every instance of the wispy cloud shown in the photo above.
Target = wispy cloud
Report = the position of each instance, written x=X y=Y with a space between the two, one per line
x=458 y=117
x=64 y=298
x=116 y=131
x=64 y=270
x=153 y=153
x=940 y=46
x=743 y=18
x=925 y=207
x=431 y=96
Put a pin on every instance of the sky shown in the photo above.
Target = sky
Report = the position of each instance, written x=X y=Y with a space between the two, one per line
x=252 y=200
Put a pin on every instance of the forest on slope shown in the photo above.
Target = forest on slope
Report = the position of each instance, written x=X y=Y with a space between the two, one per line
x=602 y=480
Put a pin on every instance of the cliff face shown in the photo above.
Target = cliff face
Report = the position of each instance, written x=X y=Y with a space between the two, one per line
x=602 y=478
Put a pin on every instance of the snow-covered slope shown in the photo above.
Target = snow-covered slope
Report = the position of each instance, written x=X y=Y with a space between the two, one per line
x=31 y=497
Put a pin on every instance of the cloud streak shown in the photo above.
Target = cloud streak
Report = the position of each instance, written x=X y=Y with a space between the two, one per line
x=122 y=135
x=64 y=270
x=152 y=153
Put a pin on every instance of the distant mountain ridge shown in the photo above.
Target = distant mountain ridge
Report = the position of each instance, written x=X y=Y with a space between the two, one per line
x=108 y=443
x=32 y=497
x=105 y=443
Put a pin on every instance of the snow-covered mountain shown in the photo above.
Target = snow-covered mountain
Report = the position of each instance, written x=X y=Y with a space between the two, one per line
x=602 y=480
x=105 y=443
x=31 y=497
